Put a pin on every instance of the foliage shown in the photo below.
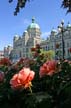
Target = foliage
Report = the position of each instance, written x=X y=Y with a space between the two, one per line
x=67 y=5
x=21 y=4
x=48 y=54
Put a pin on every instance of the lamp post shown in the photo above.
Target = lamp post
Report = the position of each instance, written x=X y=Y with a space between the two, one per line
x=61 y=27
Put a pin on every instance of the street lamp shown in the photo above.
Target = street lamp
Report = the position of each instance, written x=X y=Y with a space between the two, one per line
x=61 y=27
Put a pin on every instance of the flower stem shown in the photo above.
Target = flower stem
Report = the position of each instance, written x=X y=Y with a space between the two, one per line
x=30 y=89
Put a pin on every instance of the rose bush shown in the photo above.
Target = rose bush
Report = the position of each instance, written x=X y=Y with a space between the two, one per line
x=35 y=83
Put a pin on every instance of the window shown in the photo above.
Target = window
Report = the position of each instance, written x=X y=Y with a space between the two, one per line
x=67 y=44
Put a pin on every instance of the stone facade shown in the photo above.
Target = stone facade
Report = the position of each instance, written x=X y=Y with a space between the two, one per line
x=1 y=54
x=55 y=38
x=32 y=36
x=23 y=44
x=8 y=51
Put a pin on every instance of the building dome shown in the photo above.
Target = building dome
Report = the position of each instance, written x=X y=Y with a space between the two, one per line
x=68 y=25
x=53 y=30
x=25 y=31
x=33 y=25
x=16 y=36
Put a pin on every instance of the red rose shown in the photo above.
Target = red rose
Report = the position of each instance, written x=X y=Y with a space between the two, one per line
x=5 y=61
x=33 y=49
x=57 y=45
x=35 y=54
x=70 y=50
x=1 y=76
x=21 y=61
x=38 y=46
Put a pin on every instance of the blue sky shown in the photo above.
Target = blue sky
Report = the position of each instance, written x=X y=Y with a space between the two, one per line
x=46 y=15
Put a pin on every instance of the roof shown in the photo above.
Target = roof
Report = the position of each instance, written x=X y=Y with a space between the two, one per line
x=69 y=25
x=33 y=25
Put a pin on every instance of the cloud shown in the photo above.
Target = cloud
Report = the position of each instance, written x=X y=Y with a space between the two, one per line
x=45 y=35
x=26 y=21
x=22 y=24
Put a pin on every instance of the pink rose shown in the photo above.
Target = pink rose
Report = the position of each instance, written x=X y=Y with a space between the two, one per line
x=48 y=68
x=22 y=79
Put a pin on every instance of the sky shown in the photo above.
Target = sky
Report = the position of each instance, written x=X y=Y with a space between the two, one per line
x=48 y=14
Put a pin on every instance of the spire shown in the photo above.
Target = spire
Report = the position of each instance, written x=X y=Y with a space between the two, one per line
x=53 y=30
x=33 y=19
x=68 y=25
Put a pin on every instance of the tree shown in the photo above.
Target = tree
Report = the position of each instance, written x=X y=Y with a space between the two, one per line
x=21 y=4
x=67 y=5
